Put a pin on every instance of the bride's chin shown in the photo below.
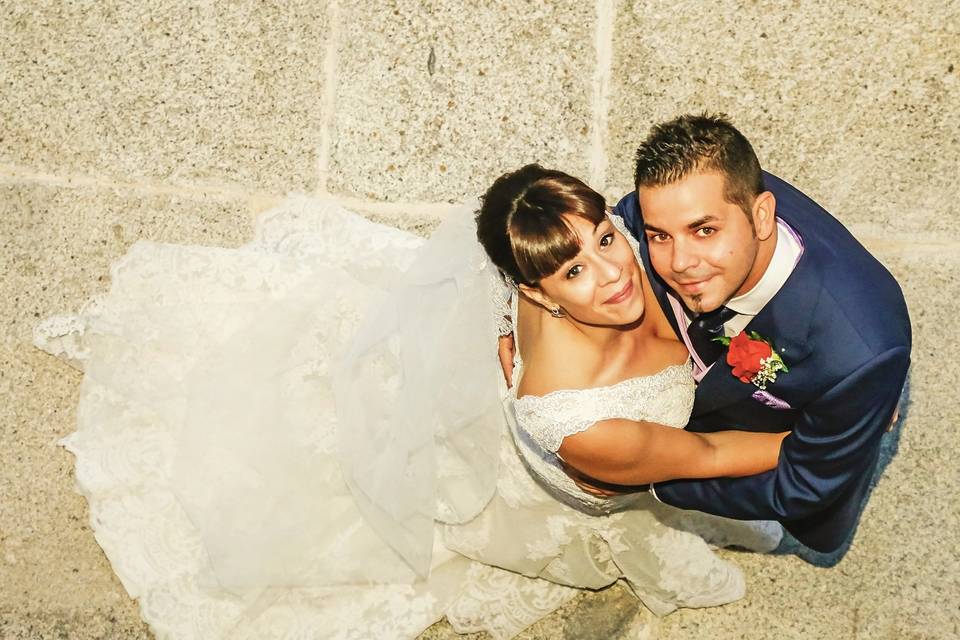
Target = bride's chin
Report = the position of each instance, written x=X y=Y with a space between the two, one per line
x=631 y=320
x=638 y=320
x=638 y=314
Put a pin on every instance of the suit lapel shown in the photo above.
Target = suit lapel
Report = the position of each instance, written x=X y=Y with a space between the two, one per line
x=719 y=388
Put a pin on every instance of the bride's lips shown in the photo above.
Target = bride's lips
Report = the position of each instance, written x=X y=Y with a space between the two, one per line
x=621 y=295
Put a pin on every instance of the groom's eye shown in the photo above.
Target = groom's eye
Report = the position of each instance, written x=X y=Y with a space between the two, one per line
x=658 y=237
x=706 y=231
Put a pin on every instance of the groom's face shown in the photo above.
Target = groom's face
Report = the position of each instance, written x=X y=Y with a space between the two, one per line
x=701 y=245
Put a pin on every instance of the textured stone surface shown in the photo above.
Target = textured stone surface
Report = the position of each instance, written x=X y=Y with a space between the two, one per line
x=510 y=83
x=88 y=624
x=856 y=104
x=176 y=90
x=853 y=103
x=611 y=614
x=55 y=248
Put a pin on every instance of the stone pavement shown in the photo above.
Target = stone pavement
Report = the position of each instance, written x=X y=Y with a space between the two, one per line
x=180 y=121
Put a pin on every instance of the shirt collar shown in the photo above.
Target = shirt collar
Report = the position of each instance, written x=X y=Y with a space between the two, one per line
x=785 y=257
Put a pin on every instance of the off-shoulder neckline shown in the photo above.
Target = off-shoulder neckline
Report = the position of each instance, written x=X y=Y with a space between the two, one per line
x=615 y=385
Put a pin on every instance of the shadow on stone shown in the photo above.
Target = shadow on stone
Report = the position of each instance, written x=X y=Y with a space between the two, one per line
x=609 y=613
x=889 y=446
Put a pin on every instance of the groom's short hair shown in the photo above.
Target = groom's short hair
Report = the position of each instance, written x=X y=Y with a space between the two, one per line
x=695 y=143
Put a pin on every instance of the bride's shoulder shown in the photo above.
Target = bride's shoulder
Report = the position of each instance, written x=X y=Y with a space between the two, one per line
x=549 y=368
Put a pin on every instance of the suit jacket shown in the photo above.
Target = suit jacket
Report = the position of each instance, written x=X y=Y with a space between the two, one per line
x=840 y=323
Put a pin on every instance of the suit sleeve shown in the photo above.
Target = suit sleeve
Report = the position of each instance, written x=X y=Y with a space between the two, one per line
x=628 y=208
x=830 y=449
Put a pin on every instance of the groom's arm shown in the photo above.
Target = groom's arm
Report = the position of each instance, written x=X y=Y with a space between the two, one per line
x=831 y=448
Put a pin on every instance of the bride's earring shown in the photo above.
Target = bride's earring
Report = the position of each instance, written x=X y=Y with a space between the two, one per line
x=556 y=312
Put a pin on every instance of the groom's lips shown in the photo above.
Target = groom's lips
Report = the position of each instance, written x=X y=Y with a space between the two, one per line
x=621 y=295
x=693 y=286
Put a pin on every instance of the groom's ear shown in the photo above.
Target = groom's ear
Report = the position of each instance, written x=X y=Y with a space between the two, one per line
x=764 y=215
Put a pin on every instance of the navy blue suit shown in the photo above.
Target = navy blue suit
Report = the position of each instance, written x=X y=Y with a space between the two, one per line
x=841 y=325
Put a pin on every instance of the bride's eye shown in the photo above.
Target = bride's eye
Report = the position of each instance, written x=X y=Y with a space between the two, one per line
x=606 y=240
x=574 y=271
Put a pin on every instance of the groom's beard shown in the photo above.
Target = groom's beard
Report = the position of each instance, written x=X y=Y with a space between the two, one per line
x=696 y=303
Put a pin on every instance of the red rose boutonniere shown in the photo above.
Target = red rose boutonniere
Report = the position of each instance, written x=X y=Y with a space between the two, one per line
x=753 y=358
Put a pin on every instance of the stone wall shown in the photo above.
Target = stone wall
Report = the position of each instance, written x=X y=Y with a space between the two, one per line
x=180 y=121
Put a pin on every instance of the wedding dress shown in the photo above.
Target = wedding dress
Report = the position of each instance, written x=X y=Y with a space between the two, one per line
x=232 y=503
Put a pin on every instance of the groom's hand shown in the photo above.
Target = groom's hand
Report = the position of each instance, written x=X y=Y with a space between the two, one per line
x=894 y=418
x=505 y=350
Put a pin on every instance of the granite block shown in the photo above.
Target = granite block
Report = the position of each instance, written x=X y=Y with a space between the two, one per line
x=72 y=625
x=435 y=100
x=55 y=248
x=854 y=103
x=180 y=91
x=56 y=244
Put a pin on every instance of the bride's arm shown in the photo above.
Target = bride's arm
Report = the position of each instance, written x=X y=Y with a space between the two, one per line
x=626 y=452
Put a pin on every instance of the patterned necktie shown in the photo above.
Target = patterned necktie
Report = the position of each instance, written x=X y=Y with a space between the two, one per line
x=704 y=329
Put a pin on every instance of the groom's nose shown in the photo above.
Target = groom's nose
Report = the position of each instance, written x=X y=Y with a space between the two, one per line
x=682 y=257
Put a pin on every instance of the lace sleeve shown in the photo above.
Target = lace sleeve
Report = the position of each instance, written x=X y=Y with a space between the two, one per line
x=501 y=292
x=551 y=418
x=621 y=226
x=665 y=398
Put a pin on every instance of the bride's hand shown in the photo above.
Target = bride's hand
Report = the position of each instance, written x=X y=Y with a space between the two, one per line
x=505 y=350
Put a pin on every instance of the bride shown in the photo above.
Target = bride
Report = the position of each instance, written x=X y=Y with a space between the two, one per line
x=310 y=435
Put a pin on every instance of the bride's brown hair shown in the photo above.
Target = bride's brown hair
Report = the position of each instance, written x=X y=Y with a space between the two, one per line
x=521 y=226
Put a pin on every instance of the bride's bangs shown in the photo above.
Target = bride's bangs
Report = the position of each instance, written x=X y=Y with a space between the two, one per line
x=543 y=243
x=523 y=223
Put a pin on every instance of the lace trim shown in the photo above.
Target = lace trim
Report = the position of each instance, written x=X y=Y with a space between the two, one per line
x=621 y=226
x=555 y=415
x=683 y=366
x=529 y=600
x=502 y=293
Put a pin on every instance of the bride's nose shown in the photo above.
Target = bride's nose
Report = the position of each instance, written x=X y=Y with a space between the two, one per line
x=609 y=271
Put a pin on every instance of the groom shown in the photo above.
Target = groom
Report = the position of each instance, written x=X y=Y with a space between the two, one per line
x=790 y=322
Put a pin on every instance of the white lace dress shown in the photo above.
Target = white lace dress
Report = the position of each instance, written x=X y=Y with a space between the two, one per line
x=175 y=313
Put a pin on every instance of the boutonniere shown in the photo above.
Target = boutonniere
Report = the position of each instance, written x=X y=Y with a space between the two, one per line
x=753 y=358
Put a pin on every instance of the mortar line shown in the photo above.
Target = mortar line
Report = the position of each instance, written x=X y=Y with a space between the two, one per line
x=14 y=174
x=329 y=100
x=435 y=210
x=11 y=175
x=600 y=101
